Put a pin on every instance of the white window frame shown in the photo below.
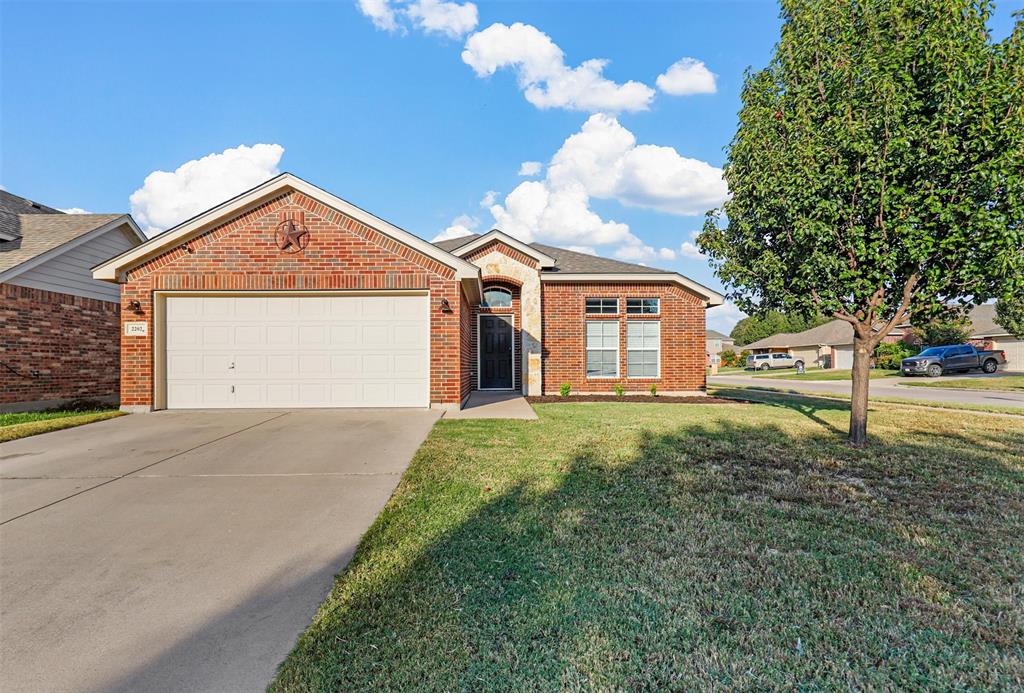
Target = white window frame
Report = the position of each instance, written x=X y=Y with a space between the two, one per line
x=601 y=298
x=658 y=350
x=502 y=289
x=644 y=298
x=587 y=349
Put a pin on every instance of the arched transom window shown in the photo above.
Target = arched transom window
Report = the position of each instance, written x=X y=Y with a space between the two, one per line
x=496 y=297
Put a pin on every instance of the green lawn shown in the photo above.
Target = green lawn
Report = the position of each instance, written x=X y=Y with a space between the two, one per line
x=1013 y=383
x=826 y=374
x=626 y=546
x=24 y=424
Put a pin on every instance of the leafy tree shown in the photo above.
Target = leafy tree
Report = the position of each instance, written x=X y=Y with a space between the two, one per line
x=877 y=170
x=1010 y=315
x=755 y=327
x=943 y=331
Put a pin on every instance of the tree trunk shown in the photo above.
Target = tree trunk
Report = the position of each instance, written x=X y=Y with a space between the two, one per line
x=859 y=395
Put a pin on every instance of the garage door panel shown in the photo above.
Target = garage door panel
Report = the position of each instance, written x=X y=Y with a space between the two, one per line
x=290 y=351
x=375 y=336
x=345 y=335
x=281 y=335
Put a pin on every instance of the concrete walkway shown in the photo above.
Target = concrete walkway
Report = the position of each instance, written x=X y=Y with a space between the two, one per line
x=183 y=551
x=881 y=387
x=494 y=405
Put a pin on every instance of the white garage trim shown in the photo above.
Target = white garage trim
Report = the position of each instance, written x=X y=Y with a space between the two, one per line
x=186 y=383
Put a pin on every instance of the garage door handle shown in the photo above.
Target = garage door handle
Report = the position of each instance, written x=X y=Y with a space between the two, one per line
x=232 y=366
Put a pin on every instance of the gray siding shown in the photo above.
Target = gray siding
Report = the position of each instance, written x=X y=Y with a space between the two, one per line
x=70 y=271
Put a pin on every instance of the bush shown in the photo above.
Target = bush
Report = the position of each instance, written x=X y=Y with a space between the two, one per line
x=728 y=357
x=619 y=390
x=565 y=389
x=654 y=390
x=888 y=356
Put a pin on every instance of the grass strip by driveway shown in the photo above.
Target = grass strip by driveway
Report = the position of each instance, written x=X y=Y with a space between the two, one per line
x=744 y=391
x=1012 y=383
x=613 y=546
x=24 y=424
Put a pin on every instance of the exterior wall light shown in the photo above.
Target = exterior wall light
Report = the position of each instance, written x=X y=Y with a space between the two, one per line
x=445 y=306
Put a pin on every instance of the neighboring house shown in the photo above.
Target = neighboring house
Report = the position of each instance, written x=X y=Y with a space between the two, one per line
x=59 y=327
x=825 y=346
x=716 y=344
x=287 y=296
x=987 y=334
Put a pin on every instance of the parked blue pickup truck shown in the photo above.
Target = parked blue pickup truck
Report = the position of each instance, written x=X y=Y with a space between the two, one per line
x=934 y=361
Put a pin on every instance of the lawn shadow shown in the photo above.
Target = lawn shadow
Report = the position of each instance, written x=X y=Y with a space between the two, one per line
x=719 y=555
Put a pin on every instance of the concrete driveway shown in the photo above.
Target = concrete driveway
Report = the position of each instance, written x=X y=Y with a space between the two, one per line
x=183 y=550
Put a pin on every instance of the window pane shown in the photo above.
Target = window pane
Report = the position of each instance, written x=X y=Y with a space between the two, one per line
x=497 y=298
x=647 y=306
x=643 y=344
x=602 y=306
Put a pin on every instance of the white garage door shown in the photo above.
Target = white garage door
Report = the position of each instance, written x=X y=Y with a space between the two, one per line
x=1014 y=349
x=844 y=357
x=298 y=351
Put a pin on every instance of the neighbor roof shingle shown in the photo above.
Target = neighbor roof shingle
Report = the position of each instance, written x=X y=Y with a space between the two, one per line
x=567 y=261
x=43 y=232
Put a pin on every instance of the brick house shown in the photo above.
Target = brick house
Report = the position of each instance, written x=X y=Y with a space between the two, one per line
x=59 y=328
x=287 y=296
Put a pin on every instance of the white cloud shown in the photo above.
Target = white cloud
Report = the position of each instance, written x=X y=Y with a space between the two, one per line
x=604 y=161
x=687 y=76
x=381 y=13
x=448 y=18
x=530 y=168
x=462 y=225
x=690 y=249
x=75 y=210
x=168 y=198
x=488 y=199
x=724 y=317
x=546 y=81
x=637 y=251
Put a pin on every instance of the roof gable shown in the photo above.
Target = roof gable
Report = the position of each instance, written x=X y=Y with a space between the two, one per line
x=571 y=265
x=114 y=269
x=44 y=236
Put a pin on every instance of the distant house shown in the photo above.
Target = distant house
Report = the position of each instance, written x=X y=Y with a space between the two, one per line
x=717 y=343
x=59 y=328
x=985 y=333
x=825 y=346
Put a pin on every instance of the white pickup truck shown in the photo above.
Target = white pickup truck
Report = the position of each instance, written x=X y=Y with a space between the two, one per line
x=764 y=362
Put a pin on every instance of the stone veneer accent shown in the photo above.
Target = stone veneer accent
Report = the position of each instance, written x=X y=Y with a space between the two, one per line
x=497 y=261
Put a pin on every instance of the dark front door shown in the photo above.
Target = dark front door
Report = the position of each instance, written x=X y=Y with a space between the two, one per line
x=495 y=352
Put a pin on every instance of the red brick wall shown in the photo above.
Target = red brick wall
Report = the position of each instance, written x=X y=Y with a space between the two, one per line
x=683 y=345
x=466 y=329
x=241 y=255
x=71 y=342
x=504 y=249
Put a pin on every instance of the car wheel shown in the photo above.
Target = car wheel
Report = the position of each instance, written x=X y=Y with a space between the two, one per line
x=934 y=370
x=764 y=367
x=990 y=366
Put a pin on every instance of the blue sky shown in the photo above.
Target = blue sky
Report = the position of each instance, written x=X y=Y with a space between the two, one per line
x=97 y=96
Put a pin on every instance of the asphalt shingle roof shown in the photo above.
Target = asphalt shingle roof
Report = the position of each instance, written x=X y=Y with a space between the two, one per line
x=12 y=207
x=715 y=334
x=831 y=333
x=567 y=261
x=43 y=232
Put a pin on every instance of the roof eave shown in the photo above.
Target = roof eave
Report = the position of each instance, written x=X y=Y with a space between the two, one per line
x=711 y=298
x=114 y=269
x=544 y=260
x=123 y=220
